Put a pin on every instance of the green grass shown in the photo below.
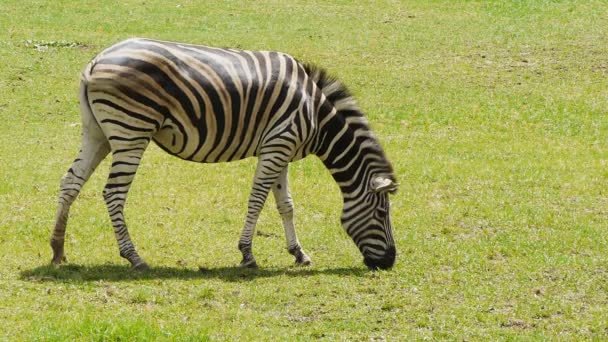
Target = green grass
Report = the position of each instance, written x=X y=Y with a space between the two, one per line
x=494 y=114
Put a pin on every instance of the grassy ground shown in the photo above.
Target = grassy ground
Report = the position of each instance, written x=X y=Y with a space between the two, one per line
x=494 y=114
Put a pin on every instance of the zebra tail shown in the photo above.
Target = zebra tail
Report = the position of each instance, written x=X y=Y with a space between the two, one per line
x=89 y=121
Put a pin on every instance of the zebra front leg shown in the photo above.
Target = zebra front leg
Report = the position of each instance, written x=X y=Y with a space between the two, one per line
x=266 y=174
x=282 y=196
x=124 y=166
x=94 y=149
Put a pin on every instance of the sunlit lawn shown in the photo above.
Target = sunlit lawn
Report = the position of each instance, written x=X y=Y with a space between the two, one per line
x=493 y=113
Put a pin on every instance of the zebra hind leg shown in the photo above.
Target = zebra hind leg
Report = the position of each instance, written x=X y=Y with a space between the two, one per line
x=124 y=166
x=94 y=149
x=284 y=202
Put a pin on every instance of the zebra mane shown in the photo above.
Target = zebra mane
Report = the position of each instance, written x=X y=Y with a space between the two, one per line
x=335 y=92
x=346 y=107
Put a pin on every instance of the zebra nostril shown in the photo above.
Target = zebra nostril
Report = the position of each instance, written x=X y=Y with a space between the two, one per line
x=384 y=262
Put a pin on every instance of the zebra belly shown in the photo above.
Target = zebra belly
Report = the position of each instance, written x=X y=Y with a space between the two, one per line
x=197 y=147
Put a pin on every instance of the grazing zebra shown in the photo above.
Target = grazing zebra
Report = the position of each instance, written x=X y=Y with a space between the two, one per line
x=212 y=105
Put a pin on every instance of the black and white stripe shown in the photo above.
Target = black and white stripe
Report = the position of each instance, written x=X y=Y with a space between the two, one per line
x=211 y=105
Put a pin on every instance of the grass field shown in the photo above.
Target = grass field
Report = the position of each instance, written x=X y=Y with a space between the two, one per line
x=493 y=113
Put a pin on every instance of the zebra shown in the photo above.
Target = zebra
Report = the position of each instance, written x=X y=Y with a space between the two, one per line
x=210 y=105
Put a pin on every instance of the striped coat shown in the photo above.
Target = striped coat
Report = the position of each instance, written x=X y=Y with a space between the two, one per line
x=209 y=105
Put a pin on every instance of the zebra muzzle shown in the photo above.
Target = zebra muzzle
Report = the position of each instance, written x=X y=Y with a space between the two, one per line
x=385 y=262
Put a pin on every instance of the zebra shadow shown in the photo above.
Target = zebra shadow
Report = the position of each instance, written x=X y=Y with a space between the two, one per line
x=115 y=273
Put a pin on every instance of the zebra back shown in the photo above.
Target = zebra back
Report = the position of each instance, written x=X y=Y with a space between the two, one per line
x=200 y=103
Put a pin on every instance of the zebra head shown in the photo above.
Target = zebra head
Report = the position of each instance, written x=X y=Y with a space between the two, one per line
x=367 y=220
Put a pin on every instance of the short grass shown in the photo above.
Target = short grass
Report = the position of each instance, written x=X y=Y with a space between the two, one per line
x=494 y=114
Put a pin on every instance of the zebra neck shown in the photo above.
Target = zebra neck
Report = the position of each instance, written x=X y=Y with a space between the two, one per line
x=350 y=151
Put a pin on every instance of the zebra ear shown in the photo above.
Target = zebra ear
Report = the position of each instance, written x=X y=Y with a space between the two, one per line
x=383 y=184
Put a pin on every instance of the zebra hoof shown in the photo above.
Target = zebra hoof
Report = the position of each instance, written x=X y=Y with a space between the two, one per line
x=249 y=264
x=141 y=266
x=304 y=261
x=58 y=260
x=301 y=258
